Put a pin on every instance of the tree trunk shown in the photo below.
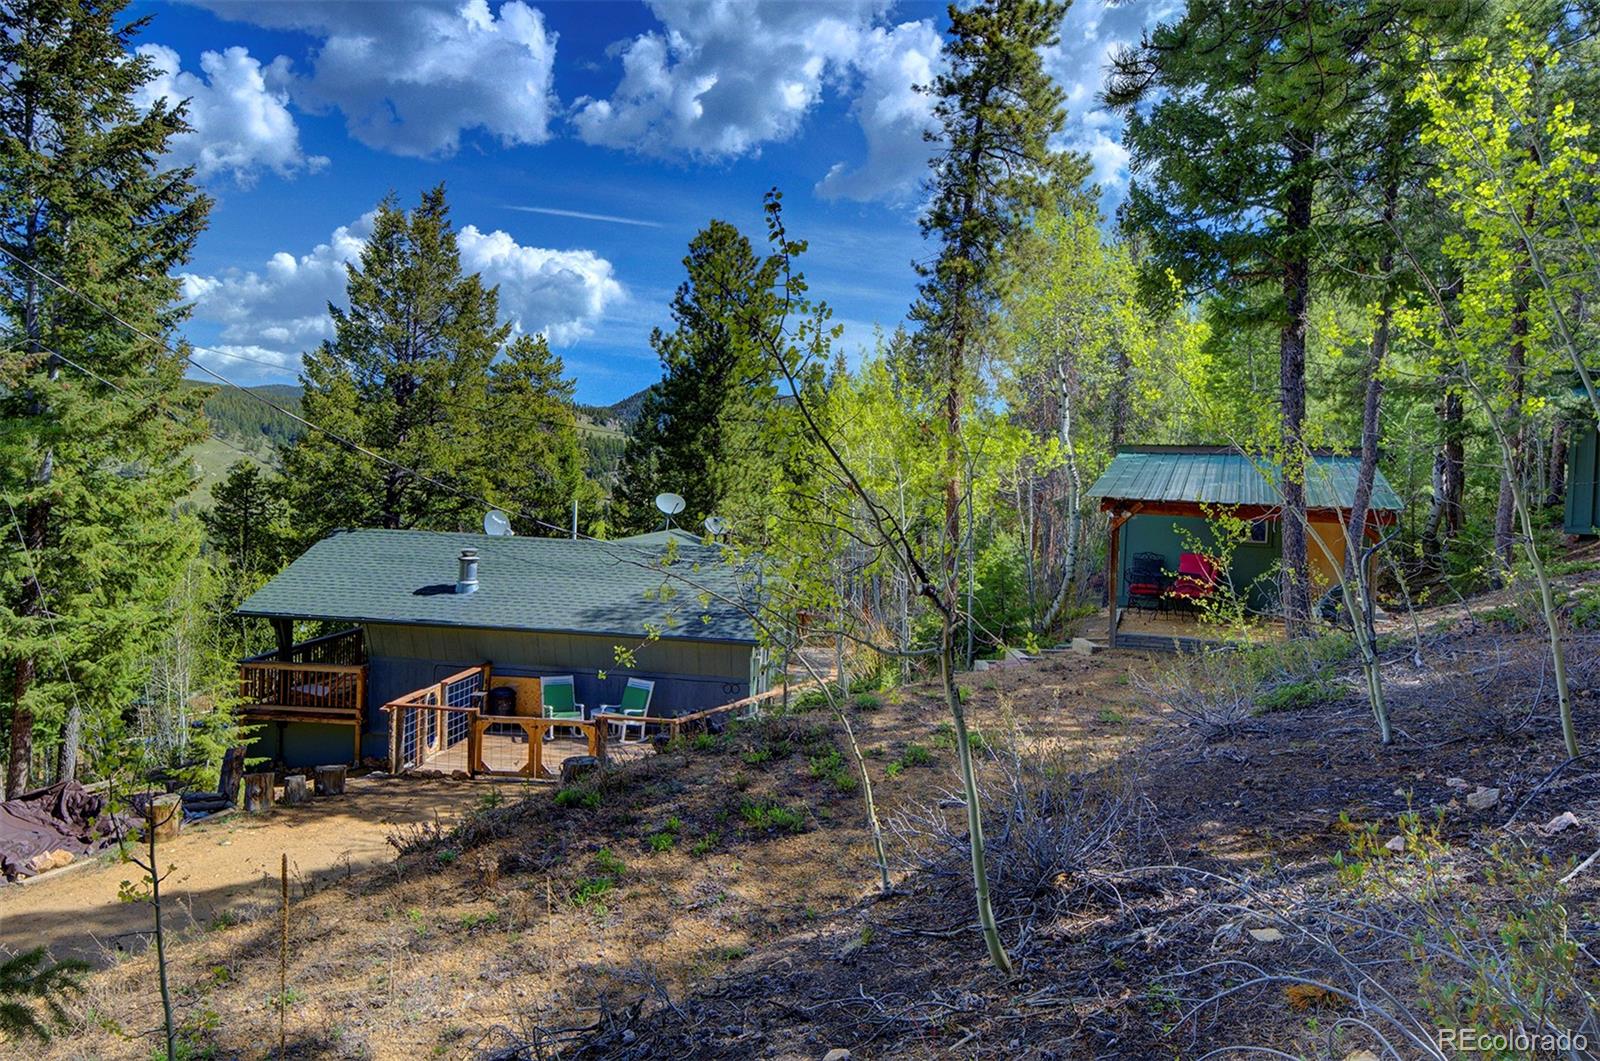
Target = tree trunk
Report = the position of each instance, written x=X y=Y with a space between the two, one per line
x=1292 y=390
x=1556 y=495
x=21 y=750
x=330 y=779
x=1373 y=399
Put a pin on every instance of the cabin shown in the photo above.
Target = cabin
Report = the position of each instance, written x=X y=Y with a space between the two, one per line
x=1162 y=502
x=425 y=637
x=1581 y=516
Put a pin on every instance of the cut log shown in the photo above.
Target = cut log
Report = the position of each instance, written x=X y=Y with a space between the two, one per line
x=165 y=816
x=205 y=802
x=330 y=780
x=231 y=773
x=295 y=791
x=258 y=793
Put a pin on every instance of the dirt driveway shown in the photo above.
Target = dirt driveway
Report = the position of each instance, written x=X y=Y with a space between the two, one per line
x=224 y=867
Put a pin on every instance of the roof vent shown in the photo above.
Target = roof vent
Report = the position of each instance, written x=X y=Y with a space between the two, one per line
x=467 y=581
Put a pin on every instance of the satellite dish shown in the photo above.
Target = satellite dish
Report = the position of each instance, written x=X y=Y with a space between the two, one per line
x=496 y=524
x=716 y=524
x=669 y=504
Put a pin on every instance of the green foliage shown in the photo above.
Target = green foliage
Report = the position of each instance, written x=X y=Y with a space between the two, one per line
x=585 y=796
x=414 y=373
x=1297 y=696
x=707 y=429
x=590 y=892
x=31 y=983
x=242 y=417
x=95 y=425
x=832 y=768
x=916 y=755
x=248 y=522
x=768 y=815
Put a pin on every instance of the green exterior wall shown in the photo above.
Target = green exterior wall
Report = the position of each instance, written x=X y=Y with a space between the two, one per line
x=1166 y=535
x=689 y=675
x=1582 y=514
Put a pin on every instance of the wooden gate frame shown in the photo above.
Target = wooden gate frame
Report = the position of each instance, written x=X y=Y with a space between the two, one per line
x=535 y=729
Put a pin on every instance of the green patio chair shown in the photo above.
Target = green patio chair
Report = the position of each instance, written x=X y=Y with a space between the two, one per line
x=636 y=704
x=558 y=696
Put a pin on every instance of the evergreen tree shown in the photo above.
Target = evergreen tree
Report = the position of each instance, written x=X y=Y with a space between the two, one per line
x=532 y=436
x=997 y=110
x=248 y=521
x=696 y=433
x=404 y=377
x=93 y=421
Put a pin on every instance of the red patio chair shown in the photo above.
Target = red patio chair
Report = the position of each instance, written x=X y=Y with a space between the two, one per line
x=1197 y=580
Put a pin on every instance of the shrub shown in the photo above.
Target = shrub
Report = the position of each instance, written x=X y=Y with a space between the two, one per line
x=765 y=814
x=1297 y=695
x=578 y=796
x=868 y=701
x=916 y=755
x=704 y=845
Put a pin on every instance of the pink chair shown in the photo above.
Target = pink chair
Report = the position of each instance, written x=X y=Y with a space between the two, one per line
x=1197 y=580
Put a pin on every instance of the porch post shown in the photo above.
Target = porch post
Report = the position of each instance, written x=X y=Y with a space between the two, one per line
x=284 y=629
x=1117 y=519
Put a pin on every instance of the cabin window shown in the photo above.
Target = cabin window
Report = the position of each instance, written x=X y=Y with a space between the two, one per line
x=1260 y=532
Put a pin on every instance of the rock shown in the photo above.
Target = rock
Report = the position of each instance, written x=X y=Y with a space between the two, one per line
x=1397 y=844
x=459 y=775
x=982 y=664
x=51 y=860
x=576 y=767
x=1565 y=820
x=1456 y=782
x=1266 y=935
x=838 y=1053
x=1084 y=647
x=1361 y=1055
x=1483 y=798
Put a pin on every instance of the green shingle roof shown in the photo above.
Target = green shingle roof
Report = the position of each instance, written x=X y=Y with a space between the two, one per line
x=537 y=584
x=1226 y=477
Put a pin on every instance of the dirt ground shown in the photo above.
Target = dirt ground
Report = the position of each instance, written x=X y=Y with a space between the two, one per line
x=719 y=899
x=225 y=868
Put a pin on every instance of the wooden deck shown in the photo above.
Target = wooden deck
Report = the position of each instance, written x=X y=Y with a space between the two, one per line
x=504 y=752
x=1177 y=631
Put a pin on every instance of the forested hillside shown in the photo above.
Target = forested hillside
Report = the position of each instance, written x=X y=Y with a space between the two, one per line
x=1177 y=636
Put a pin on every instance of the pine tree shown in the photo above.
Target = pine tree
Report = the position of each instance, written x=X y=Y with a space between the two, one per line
x=694 y=433
x=531 y=432
x=997 y=110
x=247 y=522
x=93 y=421
x=404 y=377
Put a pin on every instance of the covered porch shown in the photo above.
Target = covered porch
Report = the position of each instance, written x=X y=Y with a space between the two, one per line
x=1197 y=530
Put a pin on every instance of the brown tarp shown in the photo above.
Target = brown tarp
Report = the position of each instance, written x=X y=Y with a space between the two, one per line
x=63 y=817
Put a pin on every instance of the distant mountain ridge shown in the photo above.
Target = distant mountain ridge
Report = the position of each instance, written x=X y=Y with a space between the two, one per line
x=244 y=422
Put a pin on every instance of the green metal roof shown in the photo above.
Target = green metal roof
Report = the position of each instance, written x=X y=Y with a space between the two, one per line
x=662 y=537
x=1226 y=477
x=553 y=585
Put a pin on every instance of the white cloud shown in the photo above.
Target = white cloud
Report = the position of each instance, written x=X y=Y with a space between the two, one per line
x=721 y=78
x=281 y=309
x=560 y=293
x=1092 y=31
x=894 y=115
x=240 y=126
x=412 y=78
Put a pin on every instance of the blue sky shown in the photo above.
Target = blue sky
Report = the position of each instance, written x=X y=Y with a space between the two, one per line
x=583 y=145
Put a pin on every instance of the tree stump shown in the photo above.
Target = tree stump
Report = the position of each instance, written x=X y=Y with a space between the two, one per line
x=258 y=793
x=295 y=791
x=576 y=767
x=165 y=816
x=231 y=773
x=330 y=780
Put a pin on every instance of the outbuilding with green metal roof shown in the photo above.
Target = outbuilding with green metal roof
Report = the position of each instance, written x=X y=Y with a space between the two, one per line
x=1165 y=503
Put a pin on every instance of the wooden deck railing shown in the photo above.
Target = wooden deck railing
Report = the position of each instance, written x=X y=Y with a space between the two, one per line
x=676 y=725
x=427 y=722
x=342 y=647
